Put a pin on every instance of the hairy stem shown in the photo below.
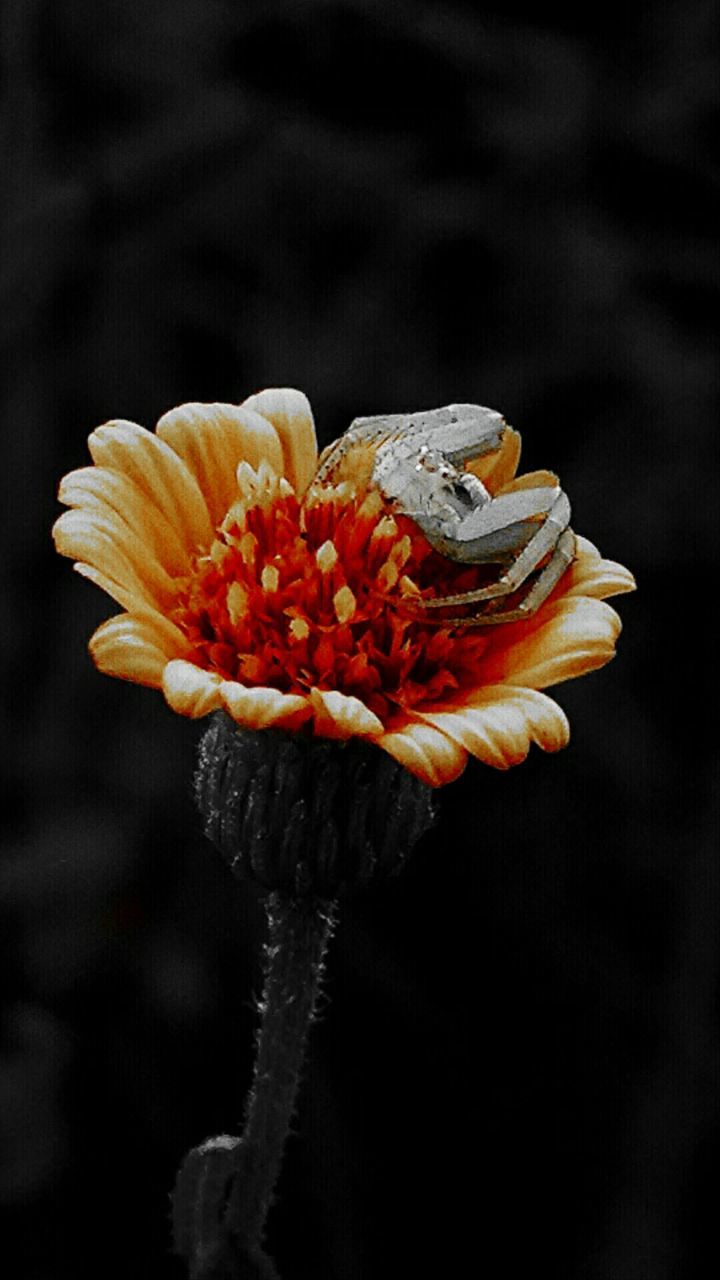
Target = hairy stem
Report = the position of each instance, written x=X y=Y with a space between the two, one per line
x=224 y=1188
x=298 y=934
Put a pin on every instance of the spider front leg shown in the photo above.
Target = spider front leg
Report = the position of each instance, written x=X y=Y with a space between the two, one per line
x=538 y=592
x=502 y=529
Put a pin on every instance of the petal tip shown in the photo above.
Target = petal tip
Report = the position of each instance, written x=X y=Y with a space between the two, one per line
x=190 y=690
x=261 y=707
x=340 y=715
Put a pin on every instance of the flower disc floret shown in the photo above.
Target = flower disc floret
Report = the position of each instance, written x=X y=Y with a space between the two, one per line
x=301 y=597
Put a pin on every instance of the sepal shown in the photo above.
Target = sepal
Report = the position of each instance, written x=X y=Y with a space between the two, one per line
x=306 y=815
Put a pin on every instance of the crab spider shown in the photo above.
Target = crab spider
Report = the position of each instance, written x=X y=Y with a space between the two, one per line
x=417 y=462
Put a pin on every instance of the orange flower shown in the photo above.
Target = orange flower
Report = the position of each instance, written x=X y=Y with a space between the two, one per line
x=287 y=606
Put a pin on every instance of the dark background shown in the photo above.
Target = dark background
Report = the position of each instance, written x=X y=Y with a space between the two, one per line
x=391 y=207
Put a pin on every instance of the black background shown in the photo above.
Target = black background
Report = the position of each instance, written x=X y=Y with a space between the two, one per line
x=391 y=207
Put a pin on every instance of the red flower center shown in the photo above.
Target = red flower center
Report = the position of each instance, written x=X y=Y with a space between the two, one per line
x=320 y=595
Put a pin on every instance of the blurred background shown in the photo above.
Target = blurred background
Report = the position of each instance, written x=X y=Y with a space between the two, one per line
x=391 y=207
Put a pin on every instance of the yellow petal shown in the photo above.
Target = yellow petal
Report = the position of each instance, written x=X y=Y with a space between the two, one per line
x=99 y=490
x=425 y=751
x=262 y=707
x=130 y=600
x=212 y=439
x=158 y=472
x=339 y=715
x=290 y=413
x=106 y=543
x=590 y=575
x=499 y=723
x=530 y=480
x=498 y=469
x=190 y=690
x=137 y=648
x=569 y=638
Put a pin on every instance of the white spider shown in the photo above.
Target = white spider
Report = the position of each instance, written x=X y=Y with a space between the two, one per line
x=419 y=467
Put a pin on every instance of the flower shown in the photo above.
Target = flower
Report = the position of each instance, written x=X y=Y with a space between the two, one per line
x=246 y=588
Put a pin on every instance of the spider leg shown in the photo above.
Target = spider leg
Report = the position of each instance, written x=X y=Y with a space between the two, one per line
x=330 y=458
x=459 y=431
x=547 y=579
x=478 y=431
x=534 y=550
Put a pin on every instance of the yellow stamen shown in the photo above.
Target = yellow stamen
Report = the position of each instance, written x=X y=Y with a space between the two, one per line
x=408 y=587
x=248 y=547
x=270 y=578
x=234 y=518
x=344 y=603
x=299 y=629
x=385 y=528
x=327 y=494
x=388 y=575
x=267 y=477
x=371 y=506
x=326 y=557
x=237 y=602
x=401 y=552
x=247 y=479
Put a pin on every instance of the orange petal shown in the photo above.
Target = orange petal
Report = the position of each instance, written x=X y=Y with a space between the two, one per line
x=98 y=490
x=497 y=469
x=190 y=690
x=530 y=480
x=339 y=715
x=425 y=751
x=106 y=543
x=157 y=471
x=290 y=413
x=590 y=575
x=569 y=638
x=501 y=722
x=262 y=707
x=212 y=439
x=136 y=648
x=130 y=600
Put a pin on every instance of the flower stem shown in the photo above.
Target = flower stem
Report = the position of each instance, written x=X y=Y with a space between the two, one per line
x=298 y=934
x=224 y=1188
